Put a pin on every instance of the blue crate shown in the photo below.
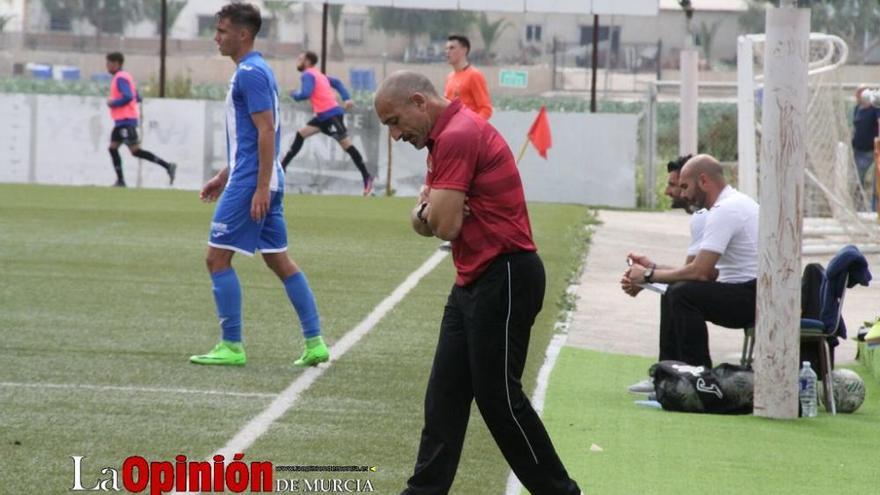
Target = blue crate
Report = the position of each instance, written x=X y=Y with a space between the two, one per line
x=363 y=80
x=40 y=71
x=67 y=73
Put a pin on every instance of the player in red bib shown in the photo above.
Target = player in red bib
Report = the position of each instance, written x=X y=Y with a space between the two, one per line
x=123 y=103
x=329 y=116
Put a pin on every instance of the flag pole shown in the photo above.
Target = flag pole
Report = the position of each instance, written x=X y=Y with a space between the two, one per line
x=522 y=151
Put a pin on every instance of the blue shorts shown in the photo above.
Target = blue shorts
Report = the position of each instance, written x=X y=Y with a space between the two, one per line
x=233 y=228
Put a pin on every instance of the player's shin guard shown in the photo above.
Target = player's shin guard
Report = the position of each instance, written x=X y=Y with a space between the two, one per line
x=300 y=295
x=117 y=164
x=358 y=162
x=294 y=149
x=227 y=296
x=146 y=155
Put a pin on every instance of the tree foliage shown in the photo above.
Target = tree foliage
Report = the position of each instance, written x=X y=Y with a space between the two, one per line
x=4 y=20
x=153 y=12
x=335 y=14
x=707 y=38
x=412 y=22
x=855 y=21
x=107 y=16
x=490 y=32
x=276 y=8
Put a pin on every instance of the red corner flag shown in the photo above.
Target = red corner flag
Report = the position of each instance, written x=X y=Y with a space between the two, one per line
x=539 y=135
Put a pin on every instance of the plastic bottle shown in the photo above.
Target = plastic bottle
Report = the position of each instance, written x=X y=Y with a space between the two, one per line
x=807 y=393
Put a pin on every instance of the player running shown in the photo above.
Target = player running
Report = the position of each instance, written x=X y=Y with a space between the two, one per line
x=123 y=103
x=329 y=116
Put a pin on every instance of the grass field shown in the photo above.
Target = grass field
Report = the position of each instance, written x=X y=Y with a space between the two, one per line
x=648 y=451
x=104 y=295
x=106 y=288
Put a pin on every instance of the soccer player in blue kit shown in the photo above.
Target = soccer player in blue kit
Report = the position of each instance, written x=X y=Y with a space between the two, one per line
x=249 y=215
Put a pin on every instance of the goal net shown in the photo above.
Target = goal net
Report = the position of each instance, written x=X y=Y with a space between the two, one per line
x=832 y=189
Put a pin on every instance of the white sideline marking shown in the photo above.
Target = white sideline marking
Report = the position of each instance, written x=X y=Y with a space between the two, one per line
x=513 y=485
x=257 y=426
x=78 y=386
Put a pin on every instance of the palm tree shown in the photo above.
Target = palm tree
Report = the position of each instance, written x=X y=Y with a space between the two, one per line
x=490 y=32
x=707 y=37
x=153 y=12
x=277 y=7
x=335 y=13
x=4 y=19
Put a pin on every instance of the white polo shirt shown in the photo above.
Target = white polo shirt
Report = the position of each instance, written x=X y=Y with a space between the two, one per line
x=698 y=223
x=732 y=231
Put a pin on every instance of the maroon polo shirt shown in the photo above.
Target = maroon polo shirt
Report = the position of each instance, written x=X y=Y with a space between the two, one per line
x=467 y=154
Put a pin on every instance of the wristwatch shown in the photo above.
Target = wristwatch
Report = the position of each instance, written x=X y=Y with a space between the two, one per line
x=419 y=213
x=649 y=273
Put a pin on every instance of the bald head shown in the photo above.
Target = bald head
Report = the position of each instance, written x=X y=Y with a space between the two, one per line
x=408 y=104
x=402 y=84
x=701 y=181
x=859 y=100
x=704 y=164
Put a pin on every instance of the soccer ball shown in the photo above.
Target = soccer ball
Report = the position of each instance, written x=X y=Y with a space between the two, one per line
x=849 y=390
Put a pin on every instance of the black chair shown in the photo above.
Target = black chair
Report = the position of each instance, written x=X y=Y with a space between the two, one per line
x=819 y=332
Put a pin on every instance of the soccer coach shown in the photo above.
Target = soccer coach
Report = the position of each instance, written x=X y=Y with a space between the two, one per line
x=473 y=196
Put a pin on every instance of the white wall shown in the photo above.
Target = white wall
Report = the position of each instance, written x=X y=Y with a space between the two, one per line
x=53 y=139
x=592 y=161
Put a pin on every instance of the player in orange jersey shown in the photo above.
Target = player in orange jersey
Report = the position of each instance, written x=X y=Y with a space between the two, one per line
x=465 y=82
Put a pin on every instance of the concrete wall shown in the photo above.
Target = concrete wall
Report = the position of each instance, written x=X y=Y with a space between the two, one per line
x=52 y=139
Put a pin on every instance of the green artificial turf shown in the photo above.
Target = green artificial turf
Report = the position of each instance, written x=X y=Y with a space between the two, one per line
x=107 y=287
x=650 y=451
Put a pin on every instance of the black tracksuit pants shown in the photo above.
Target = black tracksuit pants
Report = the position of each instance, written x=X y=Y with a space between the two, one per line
x=484 y=340
x=687 y=306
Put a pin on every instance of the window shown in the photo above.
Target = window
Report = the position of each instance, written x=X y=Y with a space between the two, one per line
x=59 y=21
x=605 y=33
x=354 y=31
x=533 y=32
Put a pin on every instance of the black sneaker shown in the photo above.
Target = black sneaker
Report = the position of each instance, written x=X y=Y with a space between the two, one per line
x=119 y=183
x=172 y=173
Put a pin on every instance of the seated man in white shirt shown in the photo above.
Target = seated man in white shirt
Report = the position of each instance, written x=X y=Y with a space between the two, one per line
x=718 y=285
x=668 y=344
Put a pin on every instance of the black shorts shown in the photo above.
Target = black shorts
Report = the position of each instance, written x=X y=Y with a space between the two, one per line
x=127 y=134
x=333 y=126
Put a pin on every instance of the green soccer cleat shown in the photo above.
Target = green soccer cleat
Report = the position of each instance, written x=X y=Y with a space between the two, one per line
x=872 y=338
x=224 y=353
x=316 y=352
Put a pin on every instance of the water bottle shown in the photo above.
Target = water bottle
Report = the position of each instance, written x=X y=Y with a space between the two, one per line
x=807 y=391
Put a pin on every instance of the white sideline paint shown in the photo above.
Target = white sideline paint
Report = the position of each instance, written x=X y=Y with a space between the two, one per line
x=112 y=388
x=513 y=485
x=287 y=398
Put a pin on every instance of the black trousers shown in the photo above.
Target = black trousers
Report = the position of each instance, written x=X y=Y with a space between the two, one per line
x=683 y=332
x=484 y=340
x=668 y=341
